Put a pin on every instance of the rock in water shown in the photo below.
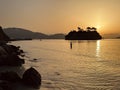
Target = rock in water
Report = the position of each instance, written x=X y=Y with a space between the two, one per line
x=32 y=78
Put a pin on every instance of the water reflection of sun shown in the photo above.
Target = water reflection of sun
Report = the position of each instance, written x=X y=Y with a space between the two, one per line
x=98 y=48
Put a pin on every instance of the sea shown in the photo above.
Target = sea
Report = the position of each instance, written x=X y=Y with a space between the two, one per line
x=73 y=64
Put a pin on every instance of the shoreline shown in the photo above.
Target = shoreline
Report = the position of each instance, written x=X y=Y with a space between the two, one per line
x=12 y=70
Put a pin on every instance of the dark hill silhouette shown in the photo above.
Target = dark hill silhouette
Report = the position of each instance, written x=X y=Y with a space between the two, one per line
x=89 y=34
x=111 y=35
x=3 y=36
x=19 y=33
x=57 y=36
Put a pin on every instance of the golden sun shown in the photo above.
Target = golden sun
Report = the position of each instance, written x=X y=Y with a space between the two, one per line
x=98 y=26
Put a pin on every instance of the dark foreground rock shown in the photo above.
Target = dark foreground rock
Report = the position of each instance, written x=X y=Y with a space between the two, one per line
x=6 y=85
x=9 y=55
x=32 y=78
x=10 y=76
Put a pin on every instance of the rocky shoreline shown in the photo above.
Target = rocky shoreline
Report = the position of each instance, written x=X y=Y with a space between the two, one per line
x=10 y=56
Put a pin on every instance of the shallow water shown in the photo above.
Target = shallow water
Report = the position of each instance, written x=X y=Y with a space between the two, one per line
x=88 y=65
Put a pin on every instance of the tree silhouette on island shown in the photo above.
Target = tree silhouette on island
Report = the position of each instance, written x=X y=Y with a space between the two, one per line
x=89 y=34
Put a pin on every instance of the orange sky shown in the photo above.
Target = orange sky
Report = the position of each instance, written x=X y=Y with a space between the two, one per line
x=61 y=16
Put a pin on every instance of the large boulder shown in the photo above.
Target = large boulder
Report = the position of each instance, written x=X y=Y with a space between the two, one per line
x=32 y=78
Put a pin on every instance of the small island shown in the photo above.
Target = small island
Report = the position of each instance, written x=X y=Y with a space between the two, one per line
x=88 y=34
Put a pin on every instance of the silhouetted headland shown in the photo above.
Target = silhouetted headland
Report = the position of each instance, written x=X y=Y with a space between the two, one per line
x=3 y=36
x=88 y=34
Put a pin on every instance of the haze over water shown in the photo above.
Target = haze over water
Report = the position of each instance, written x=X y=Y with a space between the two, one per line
x=88 y=65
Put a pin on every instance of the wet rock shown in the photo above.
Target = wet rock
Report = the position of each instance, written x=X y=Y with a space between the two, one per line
x=57 y=73
x=32 y=78
x=9 y=55
x=11 y=49
x=10 y=76
x=6 y=85
x=14 y=60
x=34 y=59
x=11 y=60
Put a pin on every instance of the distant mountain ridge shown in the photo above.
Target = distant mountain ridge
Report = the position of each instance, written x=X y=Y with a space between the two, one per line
x=111 y=36
x=19 y=33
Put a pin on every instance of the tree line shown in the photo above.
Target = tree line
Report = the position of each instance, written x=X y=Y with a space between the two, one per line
x=89 y=34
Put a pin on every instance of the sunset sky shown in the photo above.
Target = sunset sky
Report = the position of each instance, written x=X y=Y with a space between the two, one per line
x=61 y=16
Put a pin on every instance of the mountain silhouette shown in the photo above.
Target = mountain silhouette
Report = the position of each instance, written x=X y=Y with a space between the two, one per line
x=3 y=36
x=19 y=33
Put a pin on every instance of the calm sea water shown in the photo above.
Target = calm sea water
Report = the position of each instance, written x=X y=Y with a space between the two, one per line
x=88 y=65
